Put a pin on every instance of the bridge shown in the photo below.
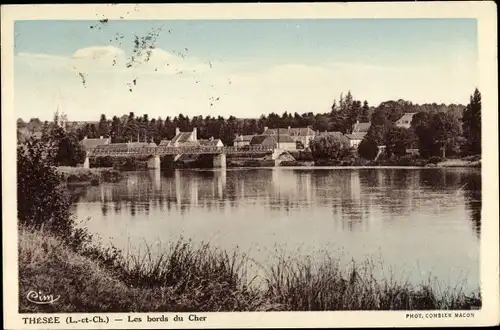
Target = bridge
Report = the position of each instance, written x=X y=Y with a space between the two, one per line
x=154 y=153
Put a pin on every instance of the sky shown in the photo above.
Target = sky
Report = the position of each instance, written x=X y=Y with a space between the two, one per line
x=243 y=68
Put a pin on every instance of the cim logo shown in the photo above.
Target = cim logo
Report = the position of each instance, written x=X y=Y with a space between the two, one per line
x=41 y=298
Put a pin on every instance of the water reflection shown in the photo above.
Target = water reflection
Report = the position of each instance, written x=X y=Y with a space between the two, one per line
x=358 y=198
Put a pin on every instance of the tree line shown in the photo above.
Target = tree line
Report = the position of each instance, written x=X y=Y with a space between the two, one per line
x=434 y=131
x=341 y=117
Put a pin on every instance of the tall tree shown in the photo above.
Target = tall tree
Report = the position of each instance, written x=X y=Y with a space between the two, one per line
x=445 y=128
x=103 y=126
x=365 y=113
x=420 y=124
x=131 y=128
x=471 y=123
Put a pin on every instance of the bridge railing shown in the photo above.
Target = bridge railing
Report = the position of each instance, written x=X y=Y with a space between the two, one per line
x=110 y=151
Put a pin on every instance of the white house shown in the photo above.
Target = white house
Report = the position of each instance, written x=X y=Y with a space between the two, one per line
x=242 y=140
x=93 y=143
x=298 y=134
x=183 y=139
x=355 y=139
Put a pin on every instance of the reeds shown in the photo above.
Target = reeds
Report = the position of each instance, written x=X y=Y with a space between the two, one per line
x=198 y=277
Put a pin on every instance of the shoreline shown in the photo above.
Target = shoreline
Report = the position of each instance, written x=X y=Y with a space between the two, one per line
x=79 y=176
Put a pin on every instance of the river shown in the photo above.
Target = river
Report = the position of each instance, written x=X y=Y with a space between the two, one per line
x=416 y=223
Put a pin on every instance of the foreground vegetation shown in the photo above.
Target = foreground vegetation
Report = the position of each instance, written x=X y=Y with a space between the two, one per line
x=190 y=278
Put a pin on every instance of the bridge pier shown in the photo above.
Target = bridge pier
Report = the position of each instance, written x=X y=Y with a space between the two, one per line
x=154 y=162
x=219 y=161
x=86 y=162
x=277 y=152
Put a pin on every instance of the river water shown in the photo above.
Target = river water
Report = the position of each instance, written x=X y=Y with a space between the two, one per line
x=416 y=223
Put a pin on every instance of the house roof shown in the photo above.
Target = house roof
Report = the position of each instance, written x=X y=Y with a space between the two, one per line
x=246 y=138
x=209 y=143
x=408 y=116
x=295 y=131
x=182 y=137
x=356 y=136
x=92 y=143
x=164 y=142
x=361 y=127
x=259 y=139
x=37 y=135
x=125 y=145
x=331 y=133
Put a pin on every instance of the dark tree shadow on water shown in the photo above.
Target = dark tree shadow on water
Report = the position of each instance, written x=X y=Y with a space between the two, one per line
x=473 y=200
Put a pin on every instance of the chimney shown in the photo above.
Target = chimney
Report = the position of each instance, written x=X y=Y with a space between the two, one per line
x=289 y=128
x=177 y=131
x=357 y=122
x=194 y=136
x=100 y=137
x=211 y=138
x=265 y=128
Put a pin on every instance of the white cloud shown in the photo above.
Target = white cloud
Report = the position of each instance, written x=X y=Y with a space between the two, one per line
x=243 y=89
x=99 y=52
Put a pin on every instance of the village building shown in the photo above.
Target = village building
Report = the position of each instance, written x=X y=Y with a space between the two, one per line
x=183 y=139
x=93 y=143
x=298 y=134
x=355 y=139
x=405 y=120
x=326 y=133
x=211 y=143
x=274 y=141
x=242 y=140
x=361 y=127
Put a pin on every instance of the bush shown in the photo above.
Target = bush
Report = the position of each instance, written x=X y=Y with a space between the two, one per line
x=130 y=164
x=42 y=199
x=102 y=162
x=368 y=149
x=329 y=147
x=435 y=159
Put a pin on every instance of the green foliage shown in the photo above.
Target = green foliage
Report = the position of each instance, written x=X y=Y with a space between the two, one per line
x=396 y=140
x=471 y=124
x=368 y=148
x=70 y=151
x=444 y=129
x=42 y=201
x=103 y=129
x=365 y=113
x=329 y=147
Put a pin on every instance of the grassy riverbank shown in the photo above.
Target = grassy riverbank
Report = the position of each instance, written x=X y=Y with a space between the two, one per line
x=88 y=176
x=403 y=161
x=190 y=278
